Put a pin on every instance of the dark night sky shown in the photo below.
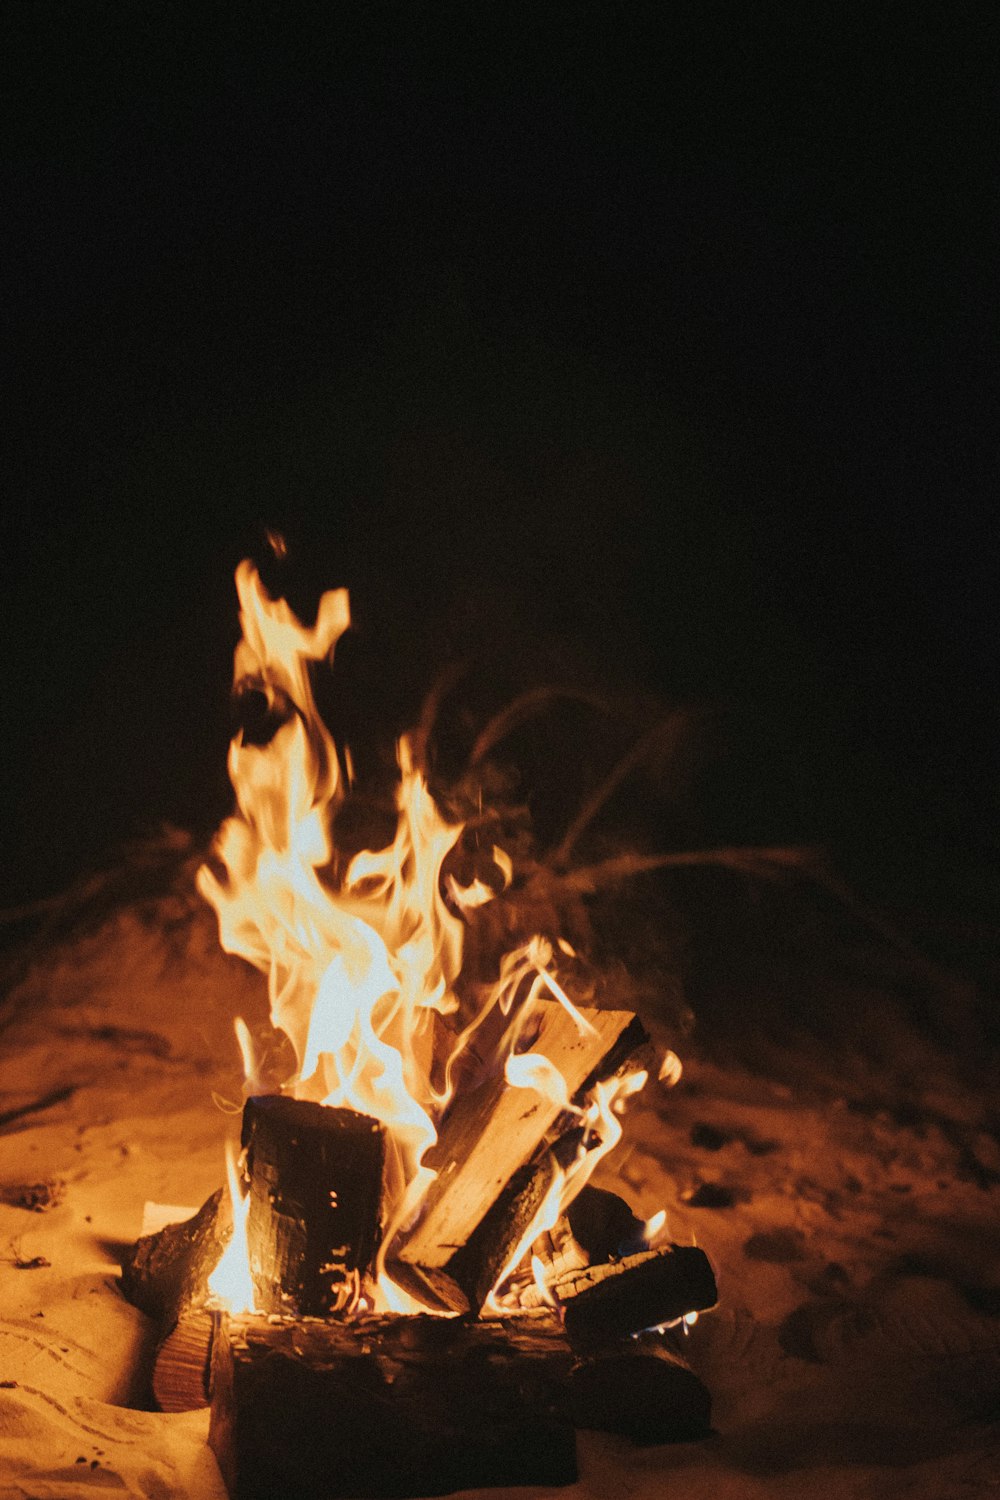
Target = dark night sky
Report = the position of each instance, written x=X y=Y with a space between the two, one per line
x=679 y=337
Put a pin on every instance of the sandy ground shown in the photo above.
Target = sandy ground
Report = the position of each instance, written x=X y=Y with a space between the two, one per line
x=856 y=1348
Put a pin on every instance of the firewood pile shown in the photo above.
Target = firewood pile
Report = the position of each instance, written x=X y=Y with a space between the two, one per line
x=314 y=1395
x=439 y=1296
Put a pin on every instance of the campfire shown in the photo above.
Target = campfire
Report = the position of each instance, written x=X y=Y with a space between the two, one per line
x=410 y=1284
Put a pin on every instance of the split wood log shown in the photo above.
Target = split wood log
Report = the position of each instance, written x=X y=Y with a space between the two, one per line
x=604 y=1303
x=643 y=1390
x=389 y=1406
x=474 y=1269
x=313 y=1224
x=183 y=1363
x=166 y=1273
x=495 y=1159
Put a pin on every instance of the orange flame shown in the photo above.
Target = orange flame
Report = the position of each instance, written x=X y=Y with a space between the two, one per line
x=359 y=974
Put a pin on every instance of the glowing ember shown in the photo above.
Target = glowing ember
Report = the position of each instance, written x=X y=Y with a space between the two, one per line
x=362 y=965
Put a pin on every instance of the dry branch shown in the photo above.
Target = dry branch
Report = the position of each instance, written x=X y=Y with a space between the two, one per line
x=668 y=731
x=522 y=708
x=763 y=863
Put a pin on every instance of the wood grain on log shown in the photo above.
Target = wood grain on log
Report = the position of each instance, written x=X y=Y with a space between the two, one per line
x=491 y=1155
x=390 y=1406
x=183 y=1363
x=313 y=1225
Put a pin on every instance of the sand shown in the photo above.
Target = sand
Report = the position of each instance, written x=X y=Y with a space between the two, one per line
x=856 y=1348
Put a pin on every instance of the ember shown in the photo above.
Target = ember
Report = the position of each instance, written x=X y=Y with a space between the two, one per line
x=421 y=1157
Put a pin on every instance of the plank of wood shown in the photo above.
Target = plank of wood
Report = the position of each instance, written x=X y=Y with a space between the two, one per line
x=390 y=1406
x=314 y=1219
x=494 y=1132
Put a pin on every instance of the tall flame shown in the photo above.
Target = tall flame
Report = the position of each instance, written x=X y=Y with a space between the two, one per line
x=354 y=981
x=360 y=971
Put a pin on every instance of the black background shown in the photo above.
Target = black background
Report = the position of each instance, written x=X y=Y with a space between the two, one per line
x=673 y=339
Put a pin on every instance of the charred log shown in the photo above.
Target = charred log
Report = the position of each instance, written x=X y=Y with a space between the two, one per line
x=643 y=1390
x=390 y=1406
x=494 y=1157
x=313 y=1225
x=608 y=1302
x=166 y=1273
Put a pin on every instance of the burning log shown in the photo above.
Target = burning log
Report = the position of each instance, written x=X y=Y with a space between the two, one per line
x=494 y=1162
x=643 y=1390
x=622 y=1295
x=608 y=1302
x=390 y=1406
x=165 y=1273
x=315 y=1192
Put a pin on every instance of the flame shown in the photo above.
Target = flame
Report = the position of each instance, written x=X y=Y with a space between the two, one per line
x=361 y=962
x=654 y=1227
x=230 y=1282
x=671 y=1070
x=538 y=1276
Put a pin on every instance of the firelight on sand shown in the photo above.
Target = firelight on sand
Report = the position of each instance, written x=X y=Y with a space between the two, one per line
x=362 y=961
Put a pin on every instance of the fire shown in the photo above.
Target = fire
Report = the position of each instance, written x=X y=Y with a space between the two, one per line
x=361 y=962
x=230 y=1282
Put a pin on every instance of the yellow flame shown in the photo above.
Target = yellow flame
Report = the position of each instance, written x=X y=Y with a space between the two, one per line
x=504 y=864
x=545 y=1218
x=654 y=1227
x=541 y=1285
x=533 y=1070
x=468 y=897
x=361 y=962
x=670 y=1070
x=230 y=1282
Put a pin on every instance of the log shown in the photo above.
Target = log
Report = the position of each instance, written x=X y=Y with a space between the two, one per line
x=604 y=1303
x=604 y=1225
x=389 y=1406
x=166 y=1273
x=313 y=1224
x=464 y=1284
x=492 y=1157
x=559 y=1254
x=183 y=1362
x=641 y=1389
